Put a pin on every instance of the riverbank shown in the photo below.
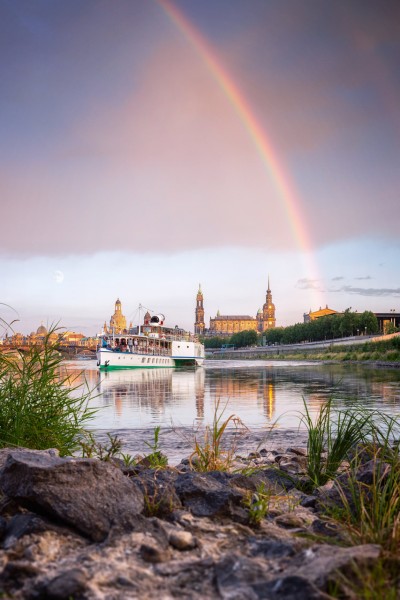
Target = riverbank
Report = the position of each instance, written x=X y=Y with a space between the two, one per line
x=94 y=530
x=176 y=442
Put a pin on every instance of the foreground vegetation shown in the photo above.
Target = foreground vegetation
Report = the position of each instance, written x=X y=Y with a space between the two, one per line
x=39 y=405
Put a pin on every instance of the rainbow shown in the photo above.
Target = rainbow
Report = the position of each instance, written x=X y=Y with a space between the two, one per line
x=263 y=145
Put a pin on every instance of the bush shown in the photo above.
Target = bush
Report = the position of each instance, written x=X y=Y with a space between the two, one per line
x=38 y=407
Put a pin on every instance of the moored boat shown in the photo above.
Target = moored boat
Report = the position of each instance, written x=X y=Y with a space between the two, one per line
x=152 y=345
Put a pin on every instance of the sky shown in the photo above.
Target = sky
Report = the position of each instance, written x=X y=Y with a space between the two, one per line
x=148 y=146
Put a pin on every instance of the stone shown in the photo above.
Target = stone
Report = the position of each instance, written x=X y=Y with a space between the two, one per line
x=269 y=548
x=153 y=554
x=69 y=584
x=158 y=491
x=87 y=494
x=23 y=524
x=321 y=563
x=207 y=495
x=182 y=540
x=290 y=587
x=293 y=520
x=3 y=527
x=297 y=450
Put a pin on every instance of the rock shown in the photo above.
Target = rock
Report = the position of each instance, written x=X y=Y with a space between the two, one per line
x=3 y=527
x=321 y=563
x=290 y=587
x=326 y=529
x=23 y=524
x=87 y=494
x=297 y=450
x=268 y=548
x=239 y=578
x=207 y=495
x=182 y=540
x=293 y=520
x=159 y=493
x=69 y=584
x=153 y=554
x=308 y=501
x=293 y=464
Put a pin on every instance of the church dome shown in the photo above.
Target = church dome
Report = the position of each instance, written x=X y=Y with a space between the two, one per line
x=41 y=330
x=259 y=312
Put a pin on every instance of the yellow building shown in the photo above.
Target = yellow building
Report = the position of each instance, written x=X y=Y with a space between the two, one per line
x=117 y=321
x=317 y=314
x=230 y=324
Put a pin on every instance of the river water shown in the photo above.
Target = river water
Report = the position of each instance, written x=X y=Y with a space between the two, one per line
x=267 y=396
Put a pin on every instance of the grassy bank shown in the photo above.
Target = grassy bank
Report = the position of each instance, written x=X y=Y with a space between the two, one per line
x=384 y=352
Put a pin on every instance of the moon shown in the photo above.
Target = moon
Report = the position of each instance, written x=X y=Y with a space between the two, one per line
x=58 y=276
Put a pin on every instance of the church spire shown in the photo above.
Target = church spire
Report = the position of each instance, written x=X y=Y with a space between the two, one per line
x=199 y=324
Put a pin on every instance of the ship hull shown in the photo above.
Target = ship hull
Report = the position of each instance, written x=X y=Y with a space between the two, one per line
x=109 y=359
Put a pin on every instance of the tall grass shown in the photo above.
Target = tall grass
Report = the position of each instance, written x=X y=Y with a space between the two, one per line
x=371 y=499
x=208 y=453
x=331 y=437
x=39 y=405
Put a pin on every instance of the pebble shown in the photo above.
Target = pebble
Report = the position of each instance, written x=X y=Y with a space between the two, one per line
x=182 y=540
x=152 y=554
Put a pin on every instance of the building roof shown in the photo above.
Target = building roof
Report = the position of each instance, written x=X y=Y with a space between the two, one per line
x=233 y=318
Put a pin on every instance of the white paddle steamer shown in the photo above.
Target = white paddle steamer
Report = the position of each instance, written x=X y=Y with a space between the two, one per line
x=150 y=346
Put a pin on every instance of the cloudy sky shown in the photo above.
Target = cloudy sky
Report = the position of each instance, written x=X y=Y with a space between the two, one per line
x=147 y=146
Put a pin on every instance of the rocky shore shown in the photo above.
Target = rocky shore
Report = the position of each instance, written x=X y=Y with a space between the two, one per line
x=79 y=528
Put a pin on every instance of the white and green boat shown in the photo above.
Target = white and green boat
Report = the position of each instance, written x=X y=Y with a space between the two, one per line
x=152 y=346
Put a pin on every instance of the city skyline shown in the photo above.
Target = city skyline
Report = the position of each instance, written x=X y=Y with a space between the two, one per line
x=147 y=147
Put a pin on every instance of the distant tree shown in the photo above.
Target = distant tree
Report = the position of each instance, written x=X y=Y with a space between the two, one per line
x=244 y=338
x=215 y=342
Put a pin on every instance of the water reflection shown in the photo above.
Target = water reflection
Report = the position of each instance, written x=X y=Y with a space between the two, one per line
x=259 y=393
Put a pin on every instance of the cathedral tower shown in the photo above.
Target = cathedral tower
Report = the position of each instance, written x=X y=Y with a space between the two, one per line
x=267 y=318
x=199 y=325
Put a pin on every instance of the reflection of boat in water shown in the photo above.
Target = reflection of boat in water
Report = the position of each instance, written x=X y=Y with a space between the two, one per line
x=154 y=388
x=152 y=346
x=180 y=381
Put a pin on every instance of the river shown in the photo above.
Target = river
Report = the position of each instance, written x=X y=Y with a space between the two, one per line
x=267 y=396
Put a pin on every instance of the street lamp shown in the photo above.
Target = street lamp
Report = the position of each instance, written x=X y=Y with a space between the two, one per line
x=365 y=330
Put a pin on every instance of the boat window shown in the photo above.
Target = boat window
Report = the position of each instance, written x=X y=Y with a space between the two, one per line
x=143 y=360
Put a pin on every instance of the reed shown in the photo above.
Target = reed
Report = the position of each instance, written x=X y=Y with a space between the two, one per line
x=39 y=405
x=331 y=438
x=208 y=453
x=371 y=500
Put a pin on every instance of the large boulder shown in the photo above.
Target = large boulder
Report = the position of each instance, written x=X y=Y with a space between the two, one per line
x=89 y=495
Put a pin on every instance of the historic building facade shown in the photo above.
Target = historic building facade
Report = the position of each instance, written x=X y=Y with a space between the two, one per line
x=317 y=314
x=230 y=324
x=117 y=321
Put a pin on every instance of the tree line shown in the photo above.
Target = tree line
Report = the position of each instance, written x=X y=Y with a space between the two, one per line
x=325 y=328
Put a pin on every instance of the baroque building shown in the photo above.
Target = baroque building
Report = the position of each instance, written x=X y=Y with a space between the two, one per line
x=230 y=324
x=117 y=321
x=199 y=325
x=317 y=314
